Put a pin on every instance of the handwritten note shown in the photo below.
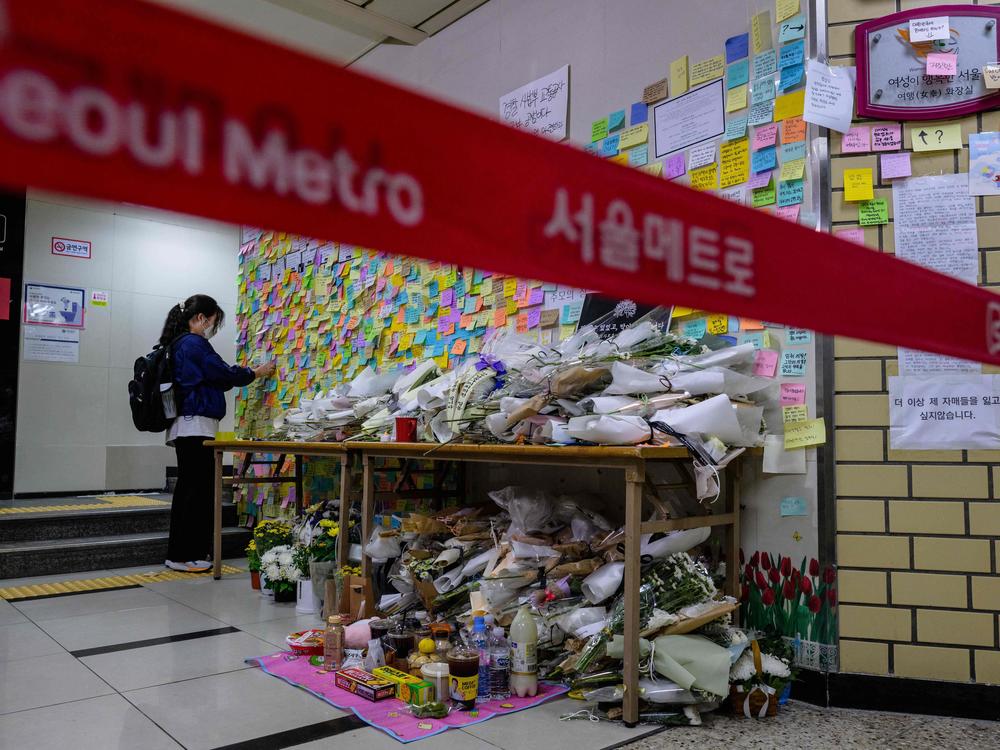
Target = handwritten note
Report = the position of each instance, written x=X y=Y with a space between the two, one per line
x=887 y=137
x=761 y=114
x=790 y=193
x=765 y=64
x=765 y=136
x=991 y=76
x=858 y=184
x=785 y=9
x=735 y=163
x=791 y=76
x=679 y=76
x=873 y=212
x=794 y=362
x=856 y=140
x=764 y=159
x=763 y=91
x=760 y=32
x=764 y=196
x=616 y=121
x=707 y=70
x=853 y=234
x=789 y=105
x=702 y=154
x=633 y=136
x=805 y=434
x=737 y=47
x=793 y=151
x=792 y=54
x=638 y=113
x=793 y=130
x=798 y=336
x=738 y=73
x=792 y=29
x=942 y=64
x=929 y=29
x=541 y=106
x=793 y=170
x=599 y=130
x=706 y=178
x=654 y=92
x=764 y=362
x=674 y=167
x=895 y=165
x=736 y=127
x=792 y=393
x=945 y=137
x=829 y=96
x=794 y=413
x=759 y=180
x=694 y=329
x=788 y=213
x=793 y=506
x=736 y=99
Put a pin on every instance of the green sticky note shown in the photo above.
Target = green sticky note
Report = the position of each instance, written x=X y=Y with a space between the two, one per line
x=764 y=196
x=875 y=211
x=599 y=130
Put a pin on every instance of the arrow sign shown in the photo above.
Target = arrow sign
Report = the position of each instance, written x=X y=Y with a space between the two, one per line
x=923 y=136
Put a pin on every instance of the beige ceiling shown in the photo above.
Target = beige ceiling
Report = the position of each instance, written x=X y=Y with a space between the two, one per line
x=338 y=30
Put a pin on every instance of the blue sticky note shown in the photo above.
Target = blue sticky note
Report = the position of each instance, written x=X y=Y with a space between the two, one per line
x=592 y=148
x=763 y=91
x=736 y=127
x=765 y=64
x=737 y=74
x=638 y=156
x=793 y=506
x=638 y=114
x=756 y=338
x=737 y=47
x=798 y=336
x=761 y=114
x=571 y=313
x=792 y=28
x=694 y=329
x=793 y=362
x=790 y=192
x=793 y=151
x=791 y=76
x=792 y=54
x=412 y=315
x=764 y=160
x=616 y=120
x=609 y=146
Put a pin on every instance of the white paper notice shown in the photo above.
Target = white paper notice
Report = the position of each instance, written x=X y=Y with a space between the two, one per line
x=541 y=106
x=45 y=344
x=929 y=29
x=935 y=223
x=916 y=362
x=947 y=412
x=779 y=461
x=829 y=96
x=701 y=155
x=697 y=116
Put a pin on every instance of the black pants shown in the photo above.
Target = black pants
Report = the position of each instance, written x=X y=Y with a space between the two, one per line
x=191 y=516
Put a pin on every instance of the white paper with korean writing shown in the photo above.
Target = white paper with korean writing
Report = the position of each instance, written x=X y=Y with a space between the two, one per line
x=829 y=96
x=691 y=118
x=540 y=107
x=947 y=412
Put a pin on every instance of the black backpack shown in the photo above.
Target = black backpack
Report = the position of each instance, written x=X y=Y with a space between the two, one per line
x=153 y=407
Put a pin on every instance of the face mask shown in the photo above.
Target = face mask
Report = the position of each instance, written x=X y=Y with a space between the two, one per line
x=208 y=333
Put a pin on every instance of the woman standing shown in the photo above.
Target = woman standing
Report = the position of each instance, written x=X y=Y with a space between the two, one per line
x=201 y=379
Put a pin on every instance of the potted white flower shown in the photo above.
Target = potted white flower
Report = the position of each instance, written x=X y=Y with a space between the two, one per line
x=280 y=572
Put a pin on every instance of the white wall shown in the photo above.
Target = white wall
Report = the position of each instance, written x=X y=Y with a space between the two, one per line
x=74 y=427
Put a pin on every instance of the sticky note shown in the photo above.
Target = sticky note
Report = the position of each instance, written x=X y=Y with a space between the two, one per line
x=707 y=70
x=793 y=129
x=655 y=169
x=736 y=99
x=793 y=151
x=887 y=137
x=619 y=159
x=852 y=234
x=793 y=506
x=761 y=114
x=706 y=178
x=793 y=170
x=788 y=213
x=764 y=159
x=638 y=113
x=942 y=64
x=609 y=146
x=738 y=73
x=792 y=393
x=674 y=167
x=736 y=127
x=759 y=180
x=679 y=76
x=764 y=196
x=633 y=136
x=805 y=434
x=792 y=54
x=765 y=136
x=616 y=120
x=794 y=413
x=764 y=362
x=873 y=212
x=654 y=92
x=737 y=47
x=991 y=76
x=798 y=336
x=945 y=137
x=734 y=163
x=856 y=140
x=858 y=184
x=785 y=9
x=791 y=77
x=458 y=348
x=599 y=129
x=638 y=156
x=765 y=64
x=793 y=362
x=571 y=312
x=789 y=105
x=790 y=192
x=792 y=29
x=929 y=29
x=758 y=339
x=760 y=32
x=694 y=329
x=895 y=165
x=700 y=155
x=717 y=324
x=763 y=91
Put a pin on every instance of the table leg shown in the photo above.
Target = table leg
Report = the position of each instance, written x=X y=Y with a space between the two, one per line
x=634 y=481
x=299 y=485
x=217 y=542
x=367 y=511
x=344 y=540
x=734 y=475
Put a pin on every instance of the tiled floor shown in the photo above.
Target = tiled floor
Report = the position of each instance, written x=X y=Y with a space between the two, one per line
x=56 y=692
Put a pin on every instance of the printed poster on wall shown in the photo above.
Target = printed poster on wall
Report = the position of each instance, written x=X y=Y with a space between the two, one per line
x=945 y=412
x=697 y=116
x=540 y=107
x=44 y=344
x=48 y=305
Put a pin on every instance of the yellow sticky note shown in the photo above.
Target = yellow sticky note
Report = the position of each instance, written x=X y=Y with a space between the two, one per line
x=619 y=159
x=796 y=413
x=717 y=324
x=736 y=98
x=633 y=137
x=706 y=178
x=735 y=162
x=804 y=434
x=936 y=137
x=509 y=287
x=785 y=9
x=655 y=169
x=793 y=170
x=679 y=76
x=858 y=184
x=789 y=105
x=708 y=70
x=760 y=32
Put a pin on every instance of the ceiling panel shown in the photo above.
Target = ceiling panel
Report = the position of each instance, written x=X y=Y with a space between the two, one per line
x=411 y=12
x=449 y=15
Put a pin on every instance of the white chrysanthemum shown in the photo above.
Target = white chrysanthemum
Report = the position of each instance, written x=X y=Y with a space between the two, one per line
x=661 y=619
x=774 y=666
x=285 y=558
x=737 y=636
x=743 y=669
x=272 y=572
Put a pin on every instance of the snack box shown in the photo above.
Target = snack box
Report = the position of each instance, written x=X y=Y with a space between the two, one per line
x=409 y=689
x=365 y=684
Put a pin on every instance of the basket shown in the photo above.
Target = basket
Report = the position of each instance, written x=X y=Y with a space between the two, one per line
x=756 y=701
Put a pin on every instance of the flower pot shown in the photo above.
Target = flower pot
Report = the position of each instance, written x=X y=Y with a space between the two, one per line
x=319 y=572
x=264 y=590
x=255 y=580
x=304 y=603
x=284 y=595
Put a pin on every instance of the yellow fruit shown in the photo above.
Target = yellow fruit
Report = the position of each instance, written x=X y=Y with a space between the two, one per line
x=426 y=646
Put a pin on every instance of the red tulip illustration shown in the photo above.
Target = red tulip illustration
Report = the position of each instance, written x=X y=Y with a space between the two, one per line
x=755 y=559
x=748 y=573
x=774 y=575
x=745 y=593
x=767 y=597
x=761 y=581
x=806 y=585
x=814 y=567
x=765 y=561
x=831 y=596
x=814 y=603
x=829 y=575
x=786 y=566
x=789 y=590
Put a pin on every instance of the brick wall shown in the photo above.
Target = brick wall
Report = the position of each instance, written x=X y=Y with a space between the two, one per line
x=917 y=531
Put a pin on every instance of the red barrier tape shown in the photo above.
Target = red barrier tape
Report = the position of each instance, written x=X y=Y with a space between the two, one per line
x=124 y=100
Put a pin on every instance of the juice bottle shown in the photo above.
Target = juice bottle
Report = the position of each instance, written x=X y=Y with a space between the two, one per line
x=333 y=644
x=523 y=654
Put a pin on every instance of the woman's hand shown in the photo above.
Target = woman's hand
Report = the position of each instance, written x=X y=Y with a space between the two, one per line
x=266 y=370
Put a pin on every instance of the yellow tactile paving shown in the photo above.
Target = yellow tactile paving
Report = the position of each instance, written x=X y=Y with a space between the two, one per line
x=108 y=582
x=106 y=502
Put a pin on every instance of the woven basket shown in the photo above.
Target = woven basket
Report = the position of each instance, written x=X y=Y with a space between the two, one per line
x=757 y=701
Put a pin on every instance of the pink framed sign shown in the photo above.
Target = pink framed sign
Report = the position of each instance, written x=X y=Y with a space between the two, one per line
x=898 y=58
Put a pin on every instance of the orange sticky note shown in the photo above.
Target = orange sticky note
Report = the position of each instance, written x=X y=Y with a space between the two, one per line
x=793 y=130
x=499 y=318
x=459 y=347
x=522 y=323
x=749 y=324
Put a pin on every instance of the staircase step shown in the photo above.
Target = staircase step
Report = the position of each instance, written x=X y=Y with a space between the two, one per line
x=45 y=557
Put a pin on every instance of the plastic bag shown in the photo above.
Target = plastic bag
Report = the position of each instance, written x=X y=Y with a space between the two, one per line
x=530 y=510
x=382 y=547
x=674 y=542
x=582 y=617
x=603 y=582
x=610 y=430
x=375 y=657
x=353 y=659
x=664 y=691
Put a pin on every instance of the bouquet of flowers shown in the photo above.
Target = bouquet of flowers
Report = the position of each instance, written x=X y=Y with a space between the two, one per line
x=279 y=568
x=759 y=676
x=323 y=547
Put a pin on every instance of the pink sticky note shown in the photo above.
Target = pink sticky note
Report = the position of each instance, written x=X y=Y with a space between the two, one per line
x=887 y=137
x=857 y=139
x=854 y=234
x=793 y=393
x=674 y=166
x=788 y=213
x=536 y=297
x=447 y=297
x=759 y=180
x=534 y=318
x=942 y=64
x=765 y=136
x=896 y=165
x=764 y=362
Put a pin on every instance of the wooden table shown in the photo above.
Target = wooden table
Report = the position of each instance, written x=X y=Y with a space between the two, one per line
x=632 y=460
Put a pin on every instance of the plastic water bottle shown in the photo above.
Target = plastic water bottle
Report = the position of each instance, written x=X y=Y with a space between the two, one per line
x=480 y=642
x=523 y=654
x=499 y=666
